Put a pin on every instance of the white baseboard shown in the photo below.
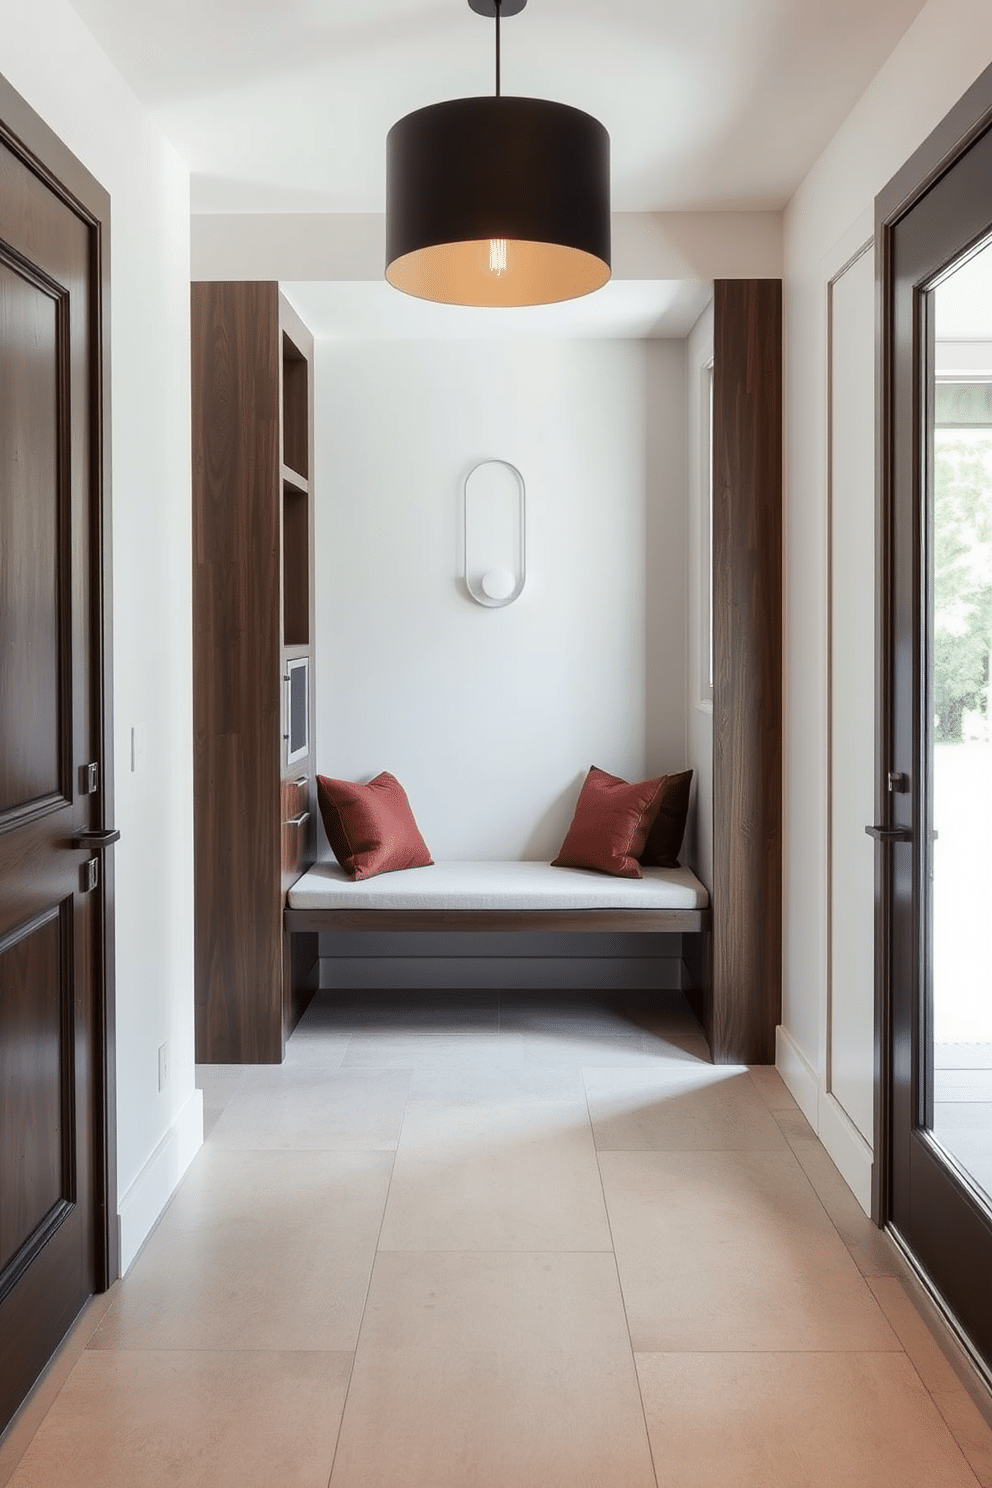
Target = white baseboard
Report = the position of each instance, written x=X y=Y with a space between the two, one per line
x=154 y=1186
x=850 y=1152
x=798 y=1074
x=841 y=1139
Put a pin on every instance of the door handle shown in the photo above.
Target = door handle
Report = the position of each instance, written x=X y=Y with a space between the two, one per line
x=890 y=834
x=96 y=837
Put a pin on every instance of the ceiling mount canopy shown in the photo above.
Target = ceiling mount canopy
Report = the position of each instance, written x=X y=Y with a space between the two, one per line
x=498 y=201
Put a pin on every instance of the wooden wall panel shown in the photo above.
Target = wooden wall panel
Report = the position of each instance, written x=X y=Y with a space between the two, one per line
x=746 y=998
x=237 y=671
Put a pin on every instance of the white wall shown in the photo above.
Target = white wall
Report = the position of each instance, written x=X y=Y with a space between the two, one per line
x=351 y=246
x=943 y=52
x=850 y=1011
x=491 y=717
x=50 y=58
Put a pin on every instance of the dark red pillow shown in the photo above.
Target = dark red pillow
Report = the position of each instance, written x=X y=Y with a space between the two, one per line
x=610 y=826
x=665 y=837
x=371 y=827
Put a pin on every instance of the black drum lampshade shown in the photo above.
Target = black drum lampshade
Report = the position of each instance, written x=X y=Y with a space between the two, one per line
x=497 y=201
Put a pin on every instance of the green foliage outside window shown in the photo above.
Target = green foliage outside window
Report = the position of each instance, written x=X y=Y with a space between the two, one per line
x=962 y=580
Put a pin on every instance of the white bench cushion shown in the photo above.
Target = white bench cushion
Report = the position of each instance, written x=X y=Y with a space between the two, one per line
x=497 y=886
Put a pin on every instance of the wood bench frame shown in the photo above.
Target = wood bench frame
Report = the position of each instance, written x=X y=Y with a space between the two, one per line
x=302 y=929
x=650 y=921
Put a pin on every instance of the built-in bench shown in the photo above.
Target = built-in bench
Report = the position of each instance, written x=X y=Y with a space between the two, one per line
x=516 y=914
x=495 y=896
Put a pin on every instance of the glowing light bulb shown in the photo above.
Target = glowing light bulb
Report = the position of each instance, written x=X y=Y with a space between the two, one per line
x=497 y=256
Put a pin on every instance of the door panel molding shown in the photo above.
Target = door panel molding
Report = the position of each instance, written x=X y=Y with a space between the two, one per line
x=37 y=1092
x=39 y=659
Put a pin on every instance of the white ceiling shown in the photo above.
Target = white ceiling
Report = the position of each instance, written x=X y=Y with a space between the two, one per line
x=284 y=105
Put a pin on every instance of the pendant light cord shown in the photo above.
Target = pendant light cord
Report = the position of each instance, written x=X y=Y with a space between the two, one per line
x=498 y=3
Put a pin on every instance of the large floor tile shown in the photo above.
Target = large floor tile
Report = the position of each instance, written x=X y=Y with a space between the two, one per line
x=310 y=1046
x=771 y=1087
x=469 y=1084
x=492 y=1420
x=870 y=1248
x=931 y=1355
x=733 y=1250
x=575 y=1047
x=796 y=1421
x=468 y=1301
x=543 y=1018
x=970 y=1430
x=259 y=1250
x=508 y=1175
x=692 y=1109
x=315 y=1109
x=441 y=1129
x=200 y=1420
x=384 y=1049
x=602 y=1027
x=219 y=1083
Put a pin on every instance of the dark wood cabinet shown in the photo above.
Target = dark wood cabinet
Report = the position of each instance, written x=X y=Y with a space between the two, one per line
x=254 y=796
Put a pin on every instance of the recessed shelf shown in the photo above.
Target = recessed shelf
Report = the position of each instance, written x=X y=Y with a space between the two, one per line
x=296 y=566
x=295 y=408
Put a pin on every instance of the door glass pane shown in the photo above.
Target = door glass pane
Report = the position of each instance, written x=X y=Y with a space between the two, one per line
x=958 y=1046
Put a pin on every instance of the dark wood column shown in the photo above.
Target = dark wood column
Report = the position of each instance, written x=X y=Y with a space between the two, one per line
x=236 y=696
x=745 y=1004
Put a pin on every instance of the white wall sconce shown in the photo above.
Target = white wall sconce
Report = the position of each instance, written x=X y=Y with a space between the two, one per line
x=494 y=521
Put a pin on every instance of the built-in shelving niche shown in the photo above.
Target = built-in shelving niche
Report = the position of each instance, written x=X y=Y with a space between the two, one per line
x=295 y=496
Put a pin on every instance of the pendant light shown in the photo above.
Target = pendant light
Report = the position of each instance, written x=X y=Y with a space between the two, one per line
x=498 y=201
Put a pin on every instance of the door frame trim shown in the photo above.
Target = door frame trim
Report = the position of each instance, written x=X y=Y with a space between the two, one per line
x=28 y=137
x=967 y=121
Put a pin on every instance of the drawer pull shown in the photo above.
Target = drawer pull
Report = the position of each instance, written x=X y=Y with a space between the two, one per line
x=297 y=821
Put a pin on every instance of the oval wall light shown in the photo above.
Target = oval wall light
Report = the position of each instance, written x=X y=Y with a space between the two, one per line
x=494 y=533
x=498 y=201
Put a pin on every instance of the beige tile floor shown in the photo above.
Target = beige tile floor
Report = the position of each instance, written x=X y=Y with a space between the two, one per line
x=491 y=1241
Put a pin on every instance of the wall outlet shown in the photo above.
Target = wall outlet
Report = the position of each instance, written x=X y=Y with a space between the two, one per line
x=163 y=1065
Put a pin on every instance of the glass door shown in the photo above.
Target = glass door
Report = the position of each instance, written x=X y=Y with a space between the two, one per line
x=934 y=819
x=958 y=1048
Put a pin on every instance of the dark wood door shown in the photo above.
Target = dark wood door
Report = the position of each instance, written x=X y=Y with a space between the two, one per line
x=938 y=1203
x=53 y=899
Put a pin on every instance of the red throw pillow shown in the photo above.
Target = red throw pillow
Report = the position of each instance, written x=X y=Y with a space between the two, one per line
x=610 y=826
x=665 y=837
x=371 y=827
